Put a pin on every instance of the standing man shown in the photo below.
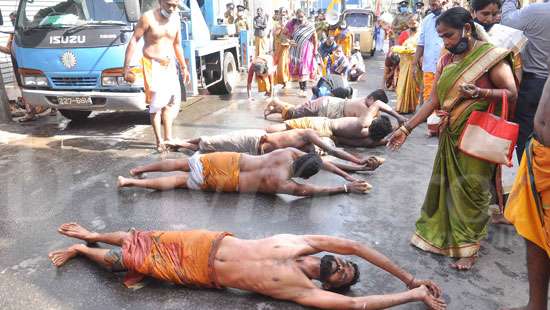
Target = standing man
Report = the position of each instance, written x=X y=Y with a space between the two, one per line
x=533 y=20
x=160 y=29
x=229 y=14
x=529 y=204
x=429 y=48
x=260 y=24
x=241 y=23
x=401 y=20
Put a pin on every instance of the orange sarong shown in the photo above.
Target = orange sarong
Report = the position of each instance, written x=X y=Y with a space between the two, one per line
x=180 y=257
x=532 y=219
x=221 y=171
x=428 y=78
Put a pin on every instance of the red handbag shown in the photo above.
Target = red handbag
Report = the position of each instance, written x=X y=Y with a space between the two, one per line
x=489 y=137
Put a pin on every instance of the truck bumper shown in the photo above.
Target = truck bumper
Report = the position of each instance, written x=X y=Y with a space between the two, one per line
x=101 y=101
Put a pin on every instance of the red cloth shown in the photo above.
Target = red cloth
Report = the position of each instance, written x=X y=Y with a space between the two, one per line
x=403 y=37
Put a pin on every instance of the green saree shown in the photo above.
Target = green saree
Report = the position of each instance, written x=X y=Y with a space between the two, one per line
x=455 y=214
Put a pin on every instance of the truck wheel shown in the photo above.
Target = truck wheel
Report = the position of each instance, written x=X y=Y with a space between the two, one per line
x=225 y=86
x=75 y=115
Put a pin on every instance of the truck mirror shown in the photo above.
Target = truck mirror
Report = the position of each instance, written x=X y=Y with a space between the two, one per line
x=1 y=18
x=132 y=10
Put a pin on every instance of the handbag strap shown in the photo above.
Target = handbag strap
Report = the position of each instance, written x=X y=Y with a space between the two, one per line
x=504 y=112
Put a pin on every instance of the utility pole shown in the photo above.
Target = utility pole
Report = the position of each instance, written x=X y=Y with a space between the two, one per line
x=5 y=113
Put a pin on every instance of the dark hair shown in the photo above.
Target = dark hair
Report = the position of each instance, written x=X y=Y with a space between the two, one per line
x=380 y=128
x=477 y=5
x=457 y=18
x=260 y=68
x=343 y=92
x=379 y=94
x=326 y=272
x=307 y=165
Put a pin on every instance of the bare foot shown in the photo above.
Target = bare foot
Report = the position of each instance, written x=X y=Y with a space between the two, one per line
x=499 y=219
x=135 y=173
x=423 y=294
x=465 y=263
x=122 y=182
x=74 y=230
x=60 y=257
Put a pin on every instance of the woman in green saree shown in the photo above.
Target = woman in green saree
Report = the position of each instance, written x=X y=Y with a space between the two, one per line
x=471 y=75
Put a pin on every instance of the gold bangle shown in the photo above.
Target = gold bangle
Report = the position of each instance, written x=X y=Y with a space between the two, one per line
x=405 y=130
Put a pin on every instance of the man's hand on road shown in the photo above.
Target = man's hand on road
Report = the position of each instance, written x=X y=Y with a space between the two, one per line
x=359 y=187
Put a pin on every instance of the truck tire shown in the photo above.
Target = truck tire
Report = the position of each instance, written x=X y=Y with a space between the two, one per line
x=225 y=86
x=75 y=115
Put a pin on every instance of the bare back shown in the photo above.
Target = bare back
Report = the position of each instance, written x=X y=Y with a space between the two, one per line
x=159 y=34
x=355 y=108
x=267 y=266
x=267 y=172
x=348 y=127
x=295 y=138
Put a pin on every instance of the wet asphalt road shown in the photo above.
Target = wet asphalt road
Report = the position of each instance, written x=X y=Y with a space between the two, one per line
x=54 y=171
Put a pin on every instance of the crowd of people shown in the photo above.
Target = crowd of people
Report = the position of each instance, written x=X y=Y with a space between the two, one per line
x=442 y=64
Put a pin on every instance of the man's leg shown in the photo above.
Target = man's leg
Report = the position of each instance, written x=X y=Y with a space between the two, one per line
x=160 y=184
x=156 y=119
x=169 y=114
x=168 y=165
x=74 y=230
x=108 y=259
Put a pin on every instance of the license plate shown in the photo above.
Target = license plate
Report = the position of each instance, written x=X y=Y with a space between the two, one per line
x=74 y=100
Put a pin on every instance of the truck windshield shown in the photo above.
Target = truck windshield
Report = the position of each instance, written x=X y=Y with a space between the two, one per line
x=359 y=20
x=69 y=13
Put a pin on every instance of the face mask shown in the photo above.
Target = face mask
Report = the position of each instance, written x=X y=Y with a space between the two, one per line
x=461 y=46
x=165 y=13
x=403 y=9
x=240 y=14
x=437 y=12
x=486 y=26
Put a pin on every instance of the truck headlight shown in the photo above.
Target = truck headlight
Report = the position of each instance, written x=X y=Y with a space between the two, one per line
x=33 y=78
x=115 y=77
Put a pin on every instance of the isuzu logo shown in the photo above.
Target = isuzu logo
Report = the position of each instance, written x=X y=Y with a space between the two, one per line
x=67 y=39
x=68 y=59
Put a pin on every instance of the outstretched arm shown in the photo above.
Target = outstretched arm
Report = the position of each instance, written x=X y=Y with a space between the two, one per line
x=307 y=190
x=331 y=167
x=384 y=107
x=313 y=137
x=349 y=247
x=328 y=300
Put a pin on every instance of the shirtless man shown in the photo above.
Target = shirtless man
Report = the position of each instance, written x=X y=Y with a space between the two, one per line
x=272 y=173
x=257 y=142
x=282 y=266
x=332 y=107
x=160 y=29
x=529 y=205
x=365 y=131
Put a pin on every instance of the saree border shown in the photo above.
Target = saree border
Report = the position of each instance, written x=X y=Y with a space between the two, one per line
x=467 y=250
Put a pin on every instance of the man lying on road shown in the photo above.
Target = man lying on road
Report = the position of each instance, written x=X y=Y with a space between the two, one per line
x=332 y=107
x=281 y=266
x=235 y=172
x=258 y=142
x=368 y=130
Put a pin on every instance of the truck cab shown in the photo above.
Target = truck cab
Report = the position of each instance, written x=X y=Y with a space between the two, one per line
x=69 y=54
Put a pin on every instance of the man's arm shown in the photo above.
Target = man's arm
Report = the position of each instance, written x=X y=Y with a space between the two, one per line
x=249 y=79
x=367 y=118
x=7 y=49
x=139 y=31
x=330 y=167
x=313 y=137
x=307 y=190
x=542 y=117
x=328 y=300
x=384 y=107
x=350 y=247
x=514 y=17
x=178 y=50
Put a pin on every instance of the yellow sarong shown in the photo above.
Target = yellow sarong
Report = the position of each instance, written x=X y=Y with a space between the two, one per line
x=221 y=171
x=321 y=125
x=263 y=84
x=180 y=257
x=428 y=78
x=407 y=85
x=532 y=221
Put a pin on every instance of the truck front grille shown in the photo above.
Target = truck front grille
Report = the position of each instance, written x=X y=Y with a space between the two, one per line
x=74 y=81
